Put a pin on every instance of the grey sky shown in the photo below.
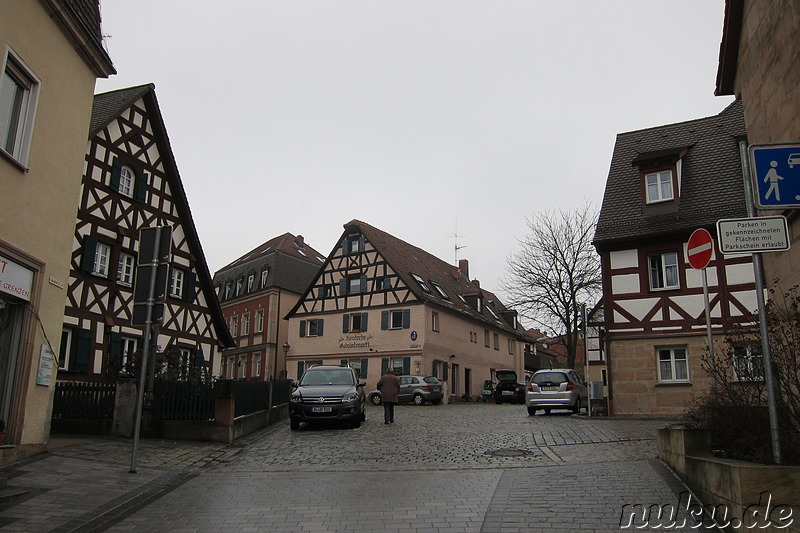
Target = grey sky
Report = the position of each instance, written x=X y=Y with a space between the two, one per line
x=300 y=116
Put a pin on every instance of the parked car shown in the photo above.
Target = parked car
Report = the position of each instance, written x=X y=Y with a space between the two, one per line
x=557 y=388
x=415 y=389
x=508 y=389
x=328 y=393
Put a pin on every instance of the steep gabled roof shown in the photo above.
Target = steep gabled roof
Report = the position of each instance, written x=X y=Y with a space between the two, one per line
x=711 y=183
x=107 y=107
x=291 y=262
x=408 y=260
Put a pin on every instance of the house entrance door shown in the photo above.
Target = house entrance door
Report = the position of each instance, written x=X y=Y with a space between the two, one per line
x=11 y=327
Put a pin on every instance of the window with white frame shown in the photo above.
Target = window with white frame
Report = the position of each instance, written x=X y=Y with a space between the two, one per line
x=496 y=338
x=65 y=349
x=245 y=323
x=238 y=287
x=127 y=178
x=435 y=321
x=748 y=364
x=250 y=281
x=673 y=366
x=230 y=368
x=315 y=327
x=658 y=186
x=256 y=370
x=510 y=346
x=234 y=326
x=19 y=94
x=242 y=364
x=264 y=275
x=176 y=283
x=663 y=271
x=440 y=290
x=396 y=320
x=102 y=255
x=486 y=338
x=421 y=282
x=227 y=290
x=129 y=347
x=259 y=325
x=125 y=269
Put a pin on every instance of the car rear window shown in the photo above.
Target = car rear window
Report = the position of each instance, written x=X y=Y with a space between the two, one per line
x=431 y=379
x=555 y=377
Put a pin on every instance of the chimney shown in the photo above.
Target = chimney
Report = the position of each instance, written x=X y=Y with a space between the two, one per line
x=476 y=283
x=463 y=266
x=299 y=241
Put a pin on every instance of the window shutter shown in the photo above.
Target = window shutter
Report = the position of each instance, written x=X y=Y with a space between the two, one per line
x=83 y=350
x=141 y=187
x=302 y=329
x=89 y=250
x=445 y=365
x=345 y=323
x=199 y=359
x=189 y=282
x=387 y=283
x=116 y=170
x=115 y=350
x=343 y=287
x=406 y=365
x=406 y=318
x=300 y=369
x=384 y=319
x=362 y=243
x=384 y=365
x=320 y=322
x=363 y=284
x=345 y=247
x=364 y=321
x=364 y=368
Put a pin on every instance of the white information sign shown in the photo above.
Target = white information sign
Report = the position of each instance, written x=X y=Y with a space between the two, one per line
x=47 y=361
x=752 y=235
x=15 y=279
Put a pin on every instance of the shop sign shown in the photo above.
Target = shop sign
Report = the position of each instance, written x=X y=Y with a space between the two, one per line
x=15 y=279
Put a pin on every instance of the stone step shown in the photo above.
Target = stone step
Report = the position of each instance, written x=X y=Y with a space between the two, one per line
x=9 y=493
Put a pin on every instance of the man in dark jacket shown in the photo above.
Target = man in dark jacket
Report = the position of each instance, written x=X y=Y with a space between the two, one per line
x=389 y=386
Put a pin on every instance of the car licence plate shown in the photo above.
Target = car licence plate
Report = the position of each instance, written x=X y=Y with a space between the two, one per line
x=508 y=393
x=549 y=388
x=321 y=409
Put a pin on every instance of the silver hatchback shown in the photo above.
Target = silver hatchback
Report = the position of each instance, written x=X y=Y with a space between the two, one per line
x=557 y=388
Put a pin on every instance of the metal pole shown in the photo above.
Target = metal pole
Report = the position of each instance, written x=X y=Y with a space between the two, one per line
x=145 y=353
x=762 y=313
x=708 y=318
x=586 y=358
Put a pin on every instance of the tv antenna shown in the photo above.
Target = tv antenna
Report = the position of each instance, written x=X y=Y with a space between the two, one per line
x=456 y=247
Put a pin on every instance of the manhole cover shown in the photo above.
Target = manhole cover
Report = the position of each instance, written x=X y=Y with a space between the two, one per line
x=509 y=452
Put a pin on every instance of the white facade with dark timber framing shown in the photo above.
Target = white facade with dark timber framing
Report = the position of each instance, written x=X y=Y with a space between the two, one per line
x=663 y=184
x=131 y=182
x=379 y=302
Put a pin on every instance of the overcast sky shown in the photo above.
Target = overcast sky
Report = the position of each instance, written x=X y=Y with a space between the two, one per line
x=421 y=118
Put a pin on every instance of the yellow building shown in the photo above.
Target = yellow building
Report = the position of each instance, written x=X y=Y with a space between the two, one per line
x=52 y=54
x=380 y=302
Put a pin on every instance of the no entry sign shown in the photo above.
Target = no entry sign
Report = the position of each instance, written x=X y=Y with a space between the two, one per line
x=700 y=248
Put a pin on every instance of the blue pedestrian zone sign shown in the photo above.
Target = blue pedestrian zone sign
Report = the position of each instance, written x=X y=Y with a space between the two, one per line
x=776 y=175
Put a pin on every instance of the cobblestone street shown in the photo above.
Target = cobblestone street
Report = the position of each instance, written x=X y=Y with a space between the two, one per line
x=448 y=468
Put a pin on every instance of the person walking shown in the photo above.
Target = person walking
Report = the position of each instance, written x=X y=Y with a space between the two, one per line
x=389 y=387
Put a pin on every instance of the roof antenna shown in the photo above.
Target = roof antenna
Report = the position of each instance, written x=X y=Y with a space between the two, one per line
x=456 y=247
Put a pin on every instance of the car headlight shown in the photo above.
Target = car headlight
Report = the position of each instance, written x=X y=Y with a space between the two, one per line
x=350 y=397
x=296 y=398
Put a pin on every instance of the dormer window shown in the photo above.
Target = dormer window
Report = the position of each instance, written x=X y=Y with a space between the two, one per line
x=659 y=186
x=422 y=284
x=440 y=290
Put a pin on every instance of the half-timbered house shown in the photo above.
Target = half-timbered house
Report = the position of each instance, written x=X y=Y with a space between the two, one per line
x=664 y=183
x=380 y=302
x=256 y=291
x=131 y=182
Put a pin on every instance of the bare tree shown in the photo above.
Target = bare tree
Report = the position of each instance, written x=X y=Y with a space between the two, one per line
x=555 y=271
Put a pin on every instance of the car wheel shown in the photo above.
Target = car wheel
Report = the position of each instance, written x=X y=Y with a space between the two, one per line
x=418 y=399
x=547 y=410
x=375 y=399
x=577 y=405
x=531 y=411
x=294 y=424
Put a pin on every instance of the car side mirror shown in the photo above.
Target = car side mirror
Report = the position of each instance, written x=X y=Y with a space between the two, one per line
x=294 y=385
x=362 y=383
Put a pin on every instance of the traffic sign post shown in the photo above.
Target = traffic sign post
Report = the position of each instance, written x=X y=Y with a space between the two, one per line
x=699 y=250
x=776 y=175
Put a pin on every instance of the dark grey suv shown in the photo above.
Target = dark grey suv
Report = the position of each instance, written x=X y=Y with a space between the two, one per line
x=328 y=393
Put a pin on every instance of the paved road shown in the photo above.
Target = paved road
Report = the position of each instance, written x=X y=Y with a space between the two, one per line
x=447 y=468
